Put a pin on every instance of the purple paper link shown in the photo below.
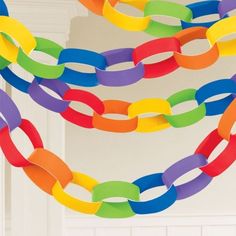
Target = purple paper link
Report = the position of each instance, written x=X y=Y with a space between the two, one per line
x=182 y=167
x=193 y=187
x=123 y=77
x=234 y=78
x=55 y=85
x=225 y=6
x=2 y=123
x=9 y=111
x=44 y=99
x=118 y=55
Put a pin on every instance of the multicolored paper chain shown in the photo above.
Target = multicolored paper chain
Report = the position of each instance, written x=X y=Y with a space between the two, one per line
x=55 y=76
x=52 y=175
x=150 y=8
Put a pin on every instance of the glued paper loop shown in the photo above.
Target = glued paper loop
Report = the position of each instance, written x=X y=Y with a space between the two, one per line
x=160 y=7
x=122 y=77
x=150 y=105
x=46 y=169
x=81 y=56
x=203 y=8
x=182 y=167
x=73 y=203
x=187 y=118
x=157 y=204
x=18 y=32
x=124 y=21
x=224 y=160
x=152 y=48
x=9 y=111
x=9 y=149
x=115 y=189
x=215 y=88
x=111 y=125
x=44 y=99
x=39 y=69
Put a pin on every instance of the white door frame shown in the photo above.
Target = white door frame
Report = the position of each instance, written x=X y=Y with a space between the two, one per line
x=32 y=212
x=2 y=182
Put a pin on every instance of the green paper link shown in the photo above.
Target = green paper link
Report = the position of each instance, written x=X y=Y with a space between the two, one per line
x=4 y=62
x=187 y=118
x=39 y=69
x=160 y=7
x=113 y=189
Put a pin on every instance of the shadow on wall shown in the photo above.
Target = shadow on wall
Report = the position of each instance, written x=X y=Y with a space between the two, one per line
x=88 y=31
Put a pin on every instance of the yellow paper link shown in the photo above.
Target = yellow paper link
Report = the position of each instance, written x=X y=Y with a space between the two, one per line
x=84 y=181
x=150 y=105
x=227 y=48
x=124 y=21
x=139 y=4
x=74 y=203
x=18 y=32
x=221 y=29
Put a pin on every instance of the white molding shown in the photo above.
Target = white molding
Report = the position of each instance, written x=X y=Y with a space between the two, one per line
x=73 y=222
x=2 y=181
x=78 y=224
x=46 y=16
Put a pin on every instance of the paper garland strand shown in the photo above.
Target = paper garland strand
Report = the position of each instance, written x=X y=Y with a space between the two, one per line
x=150 y=8
x=52 y=175
x=55 y=76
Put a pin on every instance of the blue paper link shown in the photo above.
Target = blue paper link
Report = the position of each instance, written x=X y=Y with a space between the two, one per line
x=15 y=80
x=216 y=88
x=3 y=9
x=157 y=204
x=83 y=57
x=203 y=8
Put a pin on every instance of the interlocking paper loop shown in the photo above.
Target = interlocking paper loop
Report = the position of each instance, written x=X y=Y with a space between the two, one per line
x=9 y=149
x=115 y=189
x=118 y=126
x=89 y=99
x=20 y=33
x=159 y=7
x=224 y=160
x=151 y=105
x=73 y=203
x=38 y=69
x=152 y=48
x=187 y=118
x=197 y=61
x=124 y=21
x=46 y=169
x=182 y=167
x=157 y=204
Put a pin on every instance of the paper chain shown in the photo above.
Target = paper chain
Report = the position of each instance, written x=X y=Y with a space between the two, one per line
x=52 y=175
x=185 y=14
x=55 y=77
